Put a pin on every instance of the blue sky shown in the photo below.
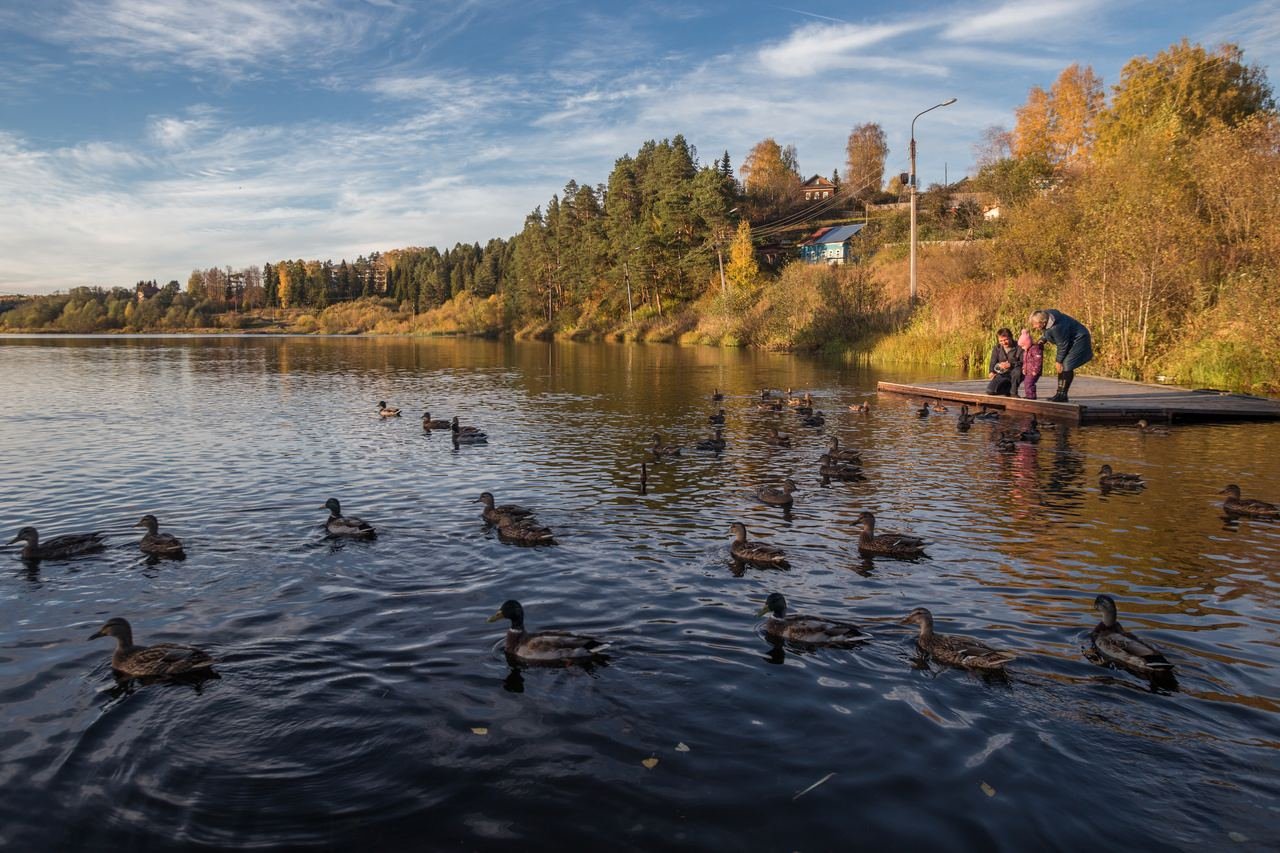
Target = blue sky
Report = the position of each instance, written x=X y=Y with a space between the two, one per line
x=146 y=138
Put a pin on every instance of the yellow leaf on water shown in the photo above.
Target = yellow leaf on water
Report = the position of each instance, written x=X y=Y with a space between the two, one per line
x=479 y=730
x=650 y=763
x=987 y=789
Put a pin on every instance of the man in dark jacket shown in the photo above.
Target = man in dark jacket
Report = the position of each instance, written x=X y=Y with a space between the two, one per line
x=1073 y=344
x=1004 y=368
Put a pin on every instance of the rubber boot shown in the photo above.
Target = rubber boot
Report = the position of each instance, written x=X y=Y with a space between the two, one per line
x=1064 y=384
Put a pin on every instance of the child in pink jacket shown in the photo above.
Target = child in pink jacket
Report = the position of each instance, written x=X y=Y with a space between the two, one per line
x=1032 y=363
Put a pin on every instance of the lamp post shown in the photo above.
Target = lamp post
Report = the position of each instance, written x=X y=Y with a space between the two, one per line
x=913 y=194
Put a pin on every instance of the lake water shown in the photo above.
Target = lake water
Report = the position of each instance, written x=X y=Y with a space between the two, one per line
x=365 y=701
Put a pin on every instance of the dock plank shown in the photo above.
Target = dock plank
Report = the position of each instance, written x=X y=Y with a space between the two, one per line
x=1096 y=399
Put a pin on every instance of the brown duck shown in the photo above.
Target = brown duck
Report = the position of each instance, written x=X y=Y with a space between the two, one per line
x=162 y=659
x=886 y=544
x=1123 y=649
x=758 y=554
x=1236 y=505
x=156 y=543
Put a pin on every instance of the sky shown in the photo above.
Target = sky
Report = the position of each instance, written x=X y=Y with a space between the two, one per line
x=142 y=139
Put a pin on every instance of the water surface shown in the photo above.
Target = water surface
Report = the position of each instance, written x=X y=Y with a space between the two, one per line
x=364 y=699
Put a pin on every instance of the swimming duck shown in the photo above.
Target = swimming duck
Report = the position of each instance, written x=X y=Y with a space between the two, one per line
x=717 y=418
x=886 y=544
x=1108 y=480
x=758 y=554
x=775 y=406
x=714 y=444
x=154 y=542
x=663 y=451
x=987 y=415
x=387 y=411
x=524 y=531
x=467 y=434
x=544 y=646
x=59 y=547
x=777 y=439
x=835 y=470
x=923 y=411
x=766 y=393
x=777 y=495
x=339 y=525
x=954 y=650
x=939 y=407
x=838 y=454
x=716 y=396
x=162 y=659
x=1119 y=647
x=494 y=514
x=813 y=630
x=805 y=406
x=965 y=420
x=863 y=408
x=1147 y=429
x=430 y=423
x=817 y=419
x=1006 y=444
x=1235 y=505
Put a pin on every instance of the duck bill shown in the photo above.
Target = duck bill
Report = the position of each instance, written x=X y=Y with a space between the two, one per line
x=14 y=540
x=495 y=617
x=763 y=610
x=96 y=634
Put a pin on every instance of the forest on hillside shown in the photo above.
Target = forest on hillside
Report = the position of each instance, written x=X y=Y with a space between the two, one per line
x=1151 y=212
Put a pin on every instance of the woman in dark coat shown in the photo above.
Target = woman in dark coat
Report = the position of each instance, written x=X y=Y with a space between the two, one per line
x=1071 y=340
x=1004 y=368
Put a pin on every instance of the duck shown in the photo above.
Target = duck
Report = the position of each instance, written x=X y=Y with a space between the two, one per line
x=524 y=531
x=839 y=454
x=1006 y=444
x=832 y=469
x=766 y=393
x=1147 y=429
x=387 y=411
x=758 y=554
x=777 y=439
x=430 y=423
x=1119 y=647
x=964 y=652
x=775 y=406
x=805 y=406
x=160 y=660
x=1235 y=505
x=663 y=451
x=1032 y=432
x=939 y=407
x=495 y=513
x=886 y=544
x=59 y=547
x=716 y=396
x=923 y=411
x=714 y=444
x=544 y=646
x=812 y=630
x=964 y=420
x=156 y=543
x=863 y=408
x=1109 y=480
x=349 y=526
x=817 y=419
x=987 y=415
x=467 y=434
x=777 y=495
x=717 y=418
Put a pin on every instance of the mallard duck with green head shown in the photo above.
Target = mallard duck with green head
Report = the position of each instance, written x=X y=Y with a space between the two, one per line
x=160 y=660
x=467 y=434
x=759 y=554
x=817 y=419
x=544 y=646
x=871 y=544
x=524 y=531
x=954 y=650
x=1236 y=505
x=1108 y=479
x=811 y=630
x=1119 y=647
x=387 y=411
x=778 y=495
x=1031 y=433
x=717 y=418
x=430 y=423
x=346 y=525
x=59 y=547
x=494 y=513
x=156 y=543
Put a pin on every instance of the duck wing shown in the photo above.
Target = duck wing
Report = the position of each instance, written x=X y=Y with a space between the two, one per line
x=160 y=543
x=760 y=554
x=1253 y=507
x=1129 y=651
x=72 y=545
x=815 y=630
x=163 y=659
x=967 y=652
x=558 y=646
x=348 y=525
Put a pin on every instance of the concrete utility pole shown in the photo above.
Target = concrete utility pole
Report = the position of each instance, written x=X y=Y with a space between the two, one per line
x=913 y=195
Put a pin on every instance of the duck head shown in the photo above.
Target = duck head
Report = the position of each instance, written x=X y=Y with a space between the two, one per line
x=921 y=617
x=1106 y=605
x=148 y=521
x=1231 y=491
x=485 y=498
x=739 y=531
x=28 y=535
x=1104 y=471
x=510 y=609
x=866 y=520
x=335 y=508
x=776 y=604
x=116 y=627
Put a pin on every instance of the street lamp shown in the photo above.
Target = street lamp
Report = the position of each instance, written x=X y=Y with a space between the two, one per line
x=913 y=194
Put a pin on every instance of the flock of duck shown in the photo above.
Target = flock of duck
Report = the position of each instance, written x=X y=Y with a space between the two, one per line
x=518 y=525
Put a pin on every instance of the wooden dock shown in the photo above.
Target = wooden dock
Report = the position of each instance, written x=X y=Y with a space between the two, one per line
x=1098 y=400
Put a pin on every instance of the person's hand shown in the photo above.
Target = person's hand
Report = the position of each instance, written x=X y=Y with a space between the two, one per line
x=1058 y=366
x=1004 y=365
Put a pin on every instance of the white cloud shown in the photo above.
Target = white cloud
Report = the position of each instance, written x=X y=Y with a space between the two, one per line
x=815 y=48
x=1256 y=28
x=1024 y=20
